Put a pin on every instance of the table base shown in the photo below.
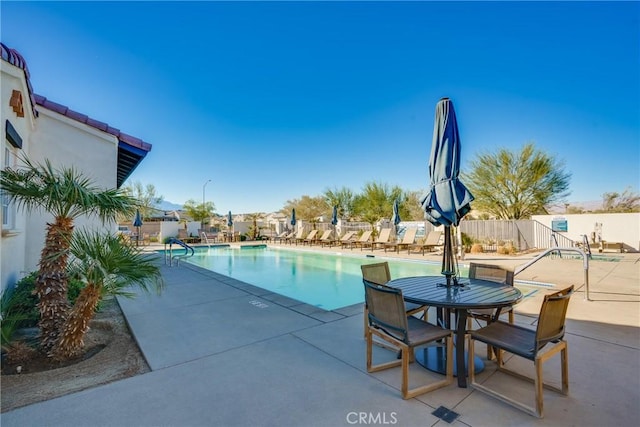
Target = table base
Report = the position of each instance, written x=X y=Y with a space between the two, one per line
x=435 y=360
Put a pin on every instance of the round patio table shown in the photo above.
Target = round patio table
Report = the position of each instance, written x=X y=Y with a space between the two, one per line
x=470 y=294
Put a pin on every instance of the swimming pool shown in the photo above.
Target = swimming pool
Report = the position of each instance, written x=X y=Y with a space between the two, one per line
x=325 y=280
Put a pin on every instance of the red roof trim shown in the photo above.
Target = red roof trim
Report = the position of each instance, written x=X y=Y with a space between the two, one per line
x=83 y=118
x=13 y=57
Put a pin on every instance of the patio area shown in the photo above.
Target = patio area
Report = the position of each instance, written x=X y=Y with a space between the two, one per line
x=226 y=353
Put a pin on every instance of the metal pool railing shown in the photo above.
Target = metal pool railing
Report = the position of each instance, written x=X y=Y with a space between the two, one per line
x=585 y=264
x=168 y=254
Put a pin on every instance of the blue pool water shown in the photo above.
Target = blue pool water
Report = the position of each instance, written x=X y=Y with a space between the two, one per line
x=325 y=280
x=328 y=281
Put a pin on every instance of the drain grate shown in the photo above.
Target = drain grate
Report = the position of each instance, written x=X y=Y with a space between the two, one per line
x=445 y=414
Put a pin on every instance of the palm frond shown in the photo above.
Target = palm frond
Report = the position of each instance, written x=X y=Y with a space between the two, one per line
x=104 y=260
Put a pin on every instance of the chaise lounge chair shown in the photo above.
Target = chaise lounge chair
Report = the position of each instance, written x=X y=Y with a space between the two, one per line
x=382 y=240
x=311 y=237
x=299 y=235
x=363 y=240
x=431 y=241
x=280 y=237
x=408 y=239
x=325 y=238
x=346 y=239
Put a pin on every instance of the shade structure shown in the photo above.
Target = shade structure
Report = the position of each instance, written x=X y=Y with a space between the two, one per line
x=395 y=218
x=447 y=200
x=137 y=222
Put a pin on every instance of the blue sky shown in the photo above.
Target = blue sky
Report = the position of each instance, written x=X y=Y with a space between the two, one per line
x=272 y=101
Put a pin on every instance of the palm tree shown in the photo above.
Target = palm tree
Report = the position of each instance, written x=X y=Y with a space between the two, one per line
x=106 y=266
x=67 y=195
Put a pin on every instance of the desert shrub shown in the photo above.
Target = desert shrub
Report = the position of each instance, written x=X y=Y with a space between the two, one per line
x=476 y=248
x=19 y=309
x=20 y=352
x=506 y=249
x=467 y=242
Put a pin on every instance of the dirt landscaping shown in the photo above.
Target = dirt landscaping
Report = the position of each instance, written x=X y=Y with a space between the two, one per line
x=111 y=354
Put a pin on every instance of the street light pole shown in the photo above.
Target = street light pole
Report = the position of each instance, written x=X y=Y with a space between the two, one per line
x=203 y=201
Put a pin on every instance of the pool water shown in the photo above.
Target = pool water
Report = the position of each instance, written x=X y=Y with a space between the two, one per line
x=325 y=280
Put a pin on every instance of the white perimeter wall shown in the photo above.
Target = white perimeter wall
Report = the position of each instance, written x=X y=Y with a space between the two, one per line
x=616 y=227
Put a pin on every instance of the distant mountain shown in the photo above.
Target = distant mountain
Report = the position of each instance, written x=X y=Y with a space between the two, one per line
x=587 y=206
x=168 y=206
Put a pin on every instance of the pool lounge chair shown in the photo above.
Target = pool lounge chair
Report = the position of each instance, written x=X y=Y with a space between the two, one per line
x=382 y=240
x=363 y=240
x=431 y=241
x=346 y=239
x=299 y=235
x=325 y=238
x=311 y=237
x=409 y=238
x=280 y=237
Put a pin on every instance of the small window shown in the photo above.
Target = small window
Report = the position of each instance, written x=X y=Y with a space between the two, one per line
x=8 y=210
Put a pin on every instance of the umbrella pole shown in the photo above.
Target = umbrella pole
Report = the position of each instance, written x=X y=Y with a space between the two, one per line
x=448 y=268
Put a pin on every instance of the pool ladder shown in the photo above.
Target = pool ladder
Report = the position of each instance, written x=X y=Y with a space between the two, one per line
x=168 y=254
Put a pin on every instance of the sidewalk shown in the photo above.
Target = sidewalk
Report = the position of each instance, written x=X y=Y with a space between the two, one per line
x=225 y=353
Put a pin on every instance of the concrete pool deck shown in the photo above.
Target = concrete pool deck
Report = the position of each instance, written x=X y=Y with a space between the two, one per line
x=225 y=353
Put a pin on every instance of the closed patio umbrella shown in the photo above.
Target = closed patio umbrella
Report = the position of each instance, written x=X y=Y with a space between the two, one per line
x=230 y=225
x=395 y=218
x=447 y=200
x=137 y=222
x=293 y=218
x=334 y=220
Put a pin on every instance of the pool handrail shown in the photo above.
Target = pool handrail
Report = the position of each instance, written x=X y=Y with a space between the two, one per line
x=585 y=264
x=179 y=242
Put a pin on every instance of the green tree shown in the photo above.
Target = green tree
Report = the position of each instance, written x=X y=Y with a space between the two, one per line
x=376 y=202
x=67 y=195
x=106 y=266
x=253 y=231
x=343 y=198
x=412 y=207
x=308 y=208
x=198 y=211
x=146 y=197
x=516 y=185
x=627 y=201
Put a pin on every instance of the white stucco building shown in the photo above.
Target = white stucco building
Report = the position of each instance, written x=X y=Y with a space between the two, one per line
x=40 y=129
